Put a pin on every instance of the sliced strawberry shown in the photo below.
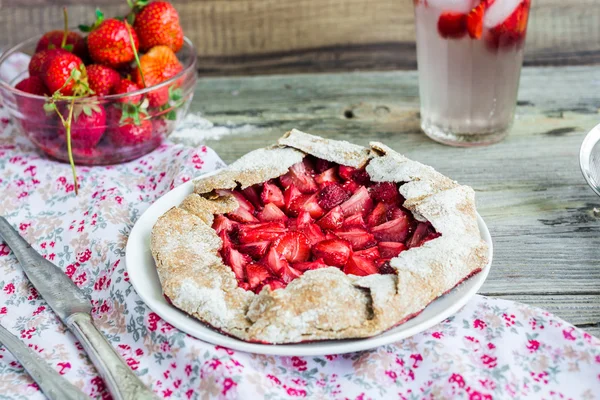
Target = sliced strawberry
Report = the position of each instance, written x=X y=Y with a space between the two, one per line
x=322 y=165
x=272 y=194
x=346 y=172
x=422 y=233
x=351 y=186
x=475 y=20
x=237 y=261
x=383 y=264
x=386 y=192
x=327 y=177
x=354 y=221
x=255 y=250
x=332 y=195
x=310 y=265
x=391 y=249
x=306 y=202
x=271 y=213
x=378 y=216
x=512 y=30
x=256 y=274
x=452 y=25
x=286 y=180
x=275 y=261
x=360 y=202
x=242 y=201
x=333 y=219
x=360 y=266
x=396 y=212
x=290 y=195
x=358 y=238
x=273 y=283
x=334 y=252
x=303 y=219
x=293 y=247
x=226 y=242
x=372 y=253
x=223 y=224
x=301 y=177
x=252 y=193
x=395 y=230
x=242 y=215
x=313 y=233
x=289 y=273
x=267 y=231
x=244 y=285
x=361 y=177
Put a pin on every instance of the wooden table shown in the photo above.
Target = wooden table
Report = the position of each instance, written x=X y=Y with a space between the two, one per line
x=544 y=220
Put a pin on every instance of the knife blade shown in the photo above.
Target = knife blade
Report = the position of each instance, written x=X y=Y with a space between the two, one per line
x=73 y=308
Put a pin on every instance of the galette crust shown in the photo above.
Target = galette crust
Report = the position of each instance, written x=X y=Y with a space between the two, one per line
x=324 y=303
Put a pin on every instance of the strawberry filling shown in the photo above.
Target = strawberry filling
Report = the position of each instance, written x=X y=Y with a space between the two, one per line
x=317 y=215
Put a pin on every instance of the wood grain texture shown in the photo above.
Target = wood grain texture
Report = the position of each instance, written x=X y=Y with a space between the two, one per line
x=544 y=220
x=258 y=36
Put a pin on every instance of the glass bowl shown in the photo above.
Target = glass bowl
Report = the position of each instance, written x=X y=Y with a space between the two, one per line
x=120 y=140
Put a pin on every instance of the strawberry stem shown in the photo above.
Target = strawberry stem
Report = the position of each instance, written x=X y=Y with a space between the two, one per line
x=135 y=54
x=66 y=32
x=69 y=149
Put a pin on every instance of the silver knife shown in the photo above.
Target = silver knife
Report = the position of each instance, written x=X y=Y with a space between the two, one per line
x=54 y=386
x=73 y=308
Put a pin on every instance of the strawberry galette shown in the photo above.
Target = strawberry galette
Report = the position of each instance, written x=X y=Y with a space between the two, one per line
x=316 y=239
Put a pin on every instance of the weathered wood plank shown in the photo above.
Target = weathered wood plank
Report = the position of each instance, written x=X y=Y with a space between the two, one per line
x=258 y=36
x=529 y=188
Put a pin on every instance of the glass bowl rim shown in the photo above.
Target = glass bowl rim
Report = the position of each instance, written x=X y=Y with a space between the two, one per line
x=185 y=71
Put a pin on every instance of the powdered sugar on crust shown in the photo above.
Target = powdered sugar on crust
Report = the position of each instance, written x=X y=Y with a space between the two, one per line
x=325 y=303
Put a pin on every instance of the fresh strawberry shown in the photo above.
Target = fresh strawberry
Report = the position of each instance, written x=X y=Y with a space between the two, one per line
x=306 y=202
x=290 y=196
x=512 y=30
x=313 y=233
x=378 y=216
x=332 y=195
x=333 y=219
x=236 y=260
x=372 y=253
x=452 y=25
x=253 y=196
x=390 y=249
x=326 y=177
x=289 y=273
x=33 y=85
x=256 y=274
x=301 y=222
x=129 y=130
x=275 y=261
x=223 y=224
x=293 y=246
x=66 y=73
x=475 y=20
x=386 y=192
x=395 y=230
x=300 y=176
x=158 y=24
x=39 y=61
x=360 y=202
x=260 y=232
x=242 y=215
x=109 y=43
x=360 y=266
x=334 y=252
x=87 y=126
x=354 y=221
x=358 y=238
x=157 y=65
x=255 y=250
x=272 y=194
x=271 y=213
x=53 y=40
x=310 y=265
x=102 y=80
x=423 y=233
x=127 y=86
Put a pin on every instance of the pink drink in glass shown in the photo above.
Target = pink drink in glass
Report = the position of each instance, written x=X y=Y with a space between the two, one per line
x=469 y=54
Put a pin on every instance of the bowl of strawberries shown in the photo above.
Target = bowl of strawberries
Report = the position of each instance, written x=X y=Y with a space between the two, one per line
x=105 y=93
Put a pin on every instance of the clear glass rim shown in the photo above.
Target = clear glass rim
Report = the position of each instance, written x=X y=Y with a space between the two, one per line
x=190 y=67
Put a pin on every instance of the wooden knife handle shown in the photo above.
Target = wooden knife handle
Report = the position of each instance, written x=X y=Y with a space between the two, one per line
x=122 y=383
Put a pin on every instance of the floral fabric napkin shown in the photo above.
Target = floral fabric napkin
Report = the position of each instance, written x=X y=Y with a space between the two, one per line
x=490 y=349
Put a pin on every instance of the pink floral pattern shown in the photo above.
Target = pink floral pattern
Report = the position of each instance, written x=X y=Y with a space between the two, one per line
x=491 y=349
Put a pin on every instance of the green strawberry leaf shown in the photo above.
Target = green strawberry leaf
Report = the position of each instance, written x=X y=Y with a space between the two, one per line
x=49 y=107
x=131 y=18
x=87 y=110
x=171 y=115
x=175 y=94
x=68 y=47
x=85 y=28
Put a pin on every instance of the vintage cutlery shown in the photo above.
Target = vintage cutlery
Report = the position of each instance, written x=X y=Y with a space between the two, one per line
x=74 y=308
x=589 y=158
x=54 y=386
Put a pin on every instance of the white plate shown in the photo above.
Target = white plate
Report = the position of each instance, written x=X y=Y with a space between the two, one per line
x=143 y=276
